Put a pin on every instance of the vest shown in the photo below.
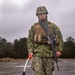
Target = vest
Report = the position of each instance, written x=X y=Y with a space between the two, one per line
x=39 y=32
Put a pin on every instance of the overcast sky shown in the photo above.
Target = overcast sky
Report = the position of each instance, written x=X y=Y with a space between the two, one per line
x=17 y=16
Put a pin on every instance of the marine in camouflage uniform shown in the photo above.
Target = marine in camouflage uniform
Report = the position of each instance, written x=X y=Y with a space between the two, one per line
x=43 y=61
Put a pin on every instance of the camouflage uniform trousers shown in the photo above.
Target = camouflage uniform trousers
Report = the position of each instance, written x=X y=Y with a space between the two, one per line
x=42 y=66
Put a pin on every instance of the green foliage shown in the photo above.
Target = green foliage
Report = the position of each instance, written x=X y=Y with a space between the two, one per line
x=5 y=48
x=20 y=48
x=69 y=48
x=16 y=50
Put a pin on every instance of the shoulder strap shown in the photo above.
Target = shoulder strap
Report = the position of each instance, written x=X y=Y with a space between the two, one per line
x=45 y=27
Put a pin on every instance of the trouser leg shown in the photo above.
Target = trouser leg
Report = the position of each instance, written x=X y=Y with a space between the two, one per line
x=43 y=66
x=37 y=66
x=48 y=66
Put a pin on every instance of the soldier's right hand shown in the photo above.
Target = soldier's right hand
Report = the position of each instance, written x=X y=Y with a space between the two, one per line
x=30 y=55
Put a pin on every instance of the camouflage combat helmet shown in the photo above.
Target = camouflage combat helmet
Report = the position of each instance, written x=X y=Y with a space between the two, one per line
x=40 y=10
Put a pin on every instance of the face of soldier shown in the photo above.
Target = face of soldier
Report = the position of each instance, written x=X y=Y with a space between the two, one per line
x=42 y=16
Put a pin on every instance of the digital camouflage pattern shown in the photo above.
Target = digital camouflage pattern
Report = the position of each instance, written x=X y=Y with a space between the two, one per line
x=44 y=50
x=40 y=10
x=43 y=62
x=42 y=66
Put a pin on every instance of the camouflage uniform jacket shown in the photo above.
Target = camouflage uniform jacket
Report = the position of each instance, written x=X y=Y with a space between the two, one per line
x=44 y=50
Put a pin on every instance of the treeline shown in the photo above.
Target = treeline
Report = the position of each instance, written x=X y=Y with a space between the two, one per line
x=69 y=48
x=18 y=49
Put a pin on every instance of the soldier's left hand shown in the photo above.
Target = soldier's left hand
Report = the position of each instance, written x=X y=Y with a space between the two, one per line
x=58 y=53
